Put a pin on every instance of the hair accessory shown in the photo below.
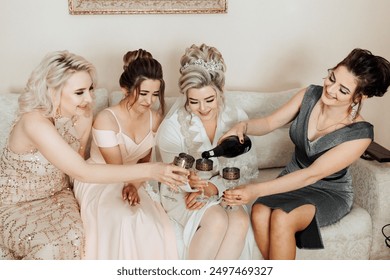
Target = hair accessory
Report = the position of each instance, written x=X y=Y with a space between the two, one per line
x=211 y=65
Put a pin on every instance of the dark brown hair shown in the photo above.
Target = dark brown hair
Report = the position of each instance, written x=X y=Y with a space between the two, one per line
x=372 y=72
x=141 y=67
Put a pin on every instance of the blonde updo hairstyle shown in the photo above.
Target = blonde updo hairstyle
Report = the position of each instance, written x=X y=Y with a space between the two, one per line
x=44 y=87
x=202 y=66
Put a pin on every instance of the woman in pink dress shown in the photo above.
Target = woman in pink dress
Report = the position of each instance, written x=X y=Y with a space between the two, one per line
x=123 y=221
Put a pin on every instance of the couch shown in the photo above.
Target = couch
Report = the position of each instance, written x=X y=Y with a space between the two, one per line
x=356 y=236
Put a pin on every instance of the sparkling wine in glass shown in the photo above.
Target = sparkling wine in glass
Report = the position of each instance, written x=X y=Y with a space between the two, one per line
x=231 y=178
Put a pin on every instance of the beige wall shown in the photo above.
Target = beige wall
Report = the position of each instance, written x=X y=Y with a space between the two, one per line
x=267 y=45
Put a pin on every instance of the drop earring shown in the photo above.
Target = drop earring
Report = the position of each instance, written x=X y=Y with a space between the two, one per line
x=58 y=113
x=353 y=113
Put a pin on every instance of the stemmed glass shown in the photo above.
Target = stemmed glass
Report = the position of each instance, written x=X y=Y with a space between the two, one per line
x=183 y=160
x=204 y=170
x=231 y=178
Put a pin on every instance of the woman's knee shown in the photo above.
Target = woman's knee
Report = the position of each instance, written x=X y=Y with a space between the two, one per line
x=239 y=218
x=215 y=217
x=291 y=222
x=260 y=214
x=279 y=218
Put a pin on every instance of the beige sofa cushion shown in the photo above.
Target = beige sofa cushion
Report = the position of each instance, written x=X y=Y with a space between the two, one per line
x=274 y=149
x=101 y=100
x=9 y=104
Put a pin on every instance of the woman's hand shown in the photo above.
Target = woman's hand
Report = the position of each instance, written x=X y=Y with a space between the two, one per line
x=196 y=182
x=130 y=193
x=169 y=174
x=206 y=186
x=191 y=202
x=239 y=195
x=239 y=129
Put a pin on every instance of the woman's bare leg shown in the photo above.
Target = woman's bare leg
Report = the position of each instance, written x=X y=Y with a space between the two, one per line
x=234 y=241
x=208 y=238
x=283 y=228
x=260 y=218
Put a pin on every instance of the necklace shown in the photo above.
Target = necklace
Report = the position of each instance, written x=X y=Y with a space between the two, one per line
x=327 y=127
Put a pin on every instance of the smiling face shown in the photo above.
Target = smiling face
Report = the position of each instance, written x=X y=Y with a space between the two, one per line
x=339 y=88
x=203 y=102
x=77 y=95
x=149 y=92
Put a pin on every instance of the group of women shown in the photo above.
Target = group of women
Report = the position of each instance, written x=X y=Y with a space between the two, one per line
x=126 y=201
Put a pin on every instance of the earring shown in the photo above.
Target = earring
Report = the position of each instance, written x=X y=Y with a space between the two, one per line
x=353 y=113
x=58 y=113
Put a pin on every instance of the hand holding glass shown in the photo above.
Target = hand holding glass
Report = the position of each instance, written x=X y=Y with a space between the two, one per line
x=186 y=161
x=231 y=178
x=204 y=170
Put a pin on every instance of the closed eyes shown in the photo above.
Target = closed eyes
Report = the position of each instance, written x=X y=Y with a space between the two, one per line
x=82 y=90
x=332 y=78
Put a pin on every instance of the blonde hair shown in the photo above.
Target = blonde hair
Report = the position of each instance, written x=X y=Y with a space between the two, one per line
x=44 y=87
x=202 y=66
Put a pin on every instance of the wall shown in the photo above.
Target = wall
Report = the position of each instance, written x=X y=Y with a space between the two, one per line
x=267 y=45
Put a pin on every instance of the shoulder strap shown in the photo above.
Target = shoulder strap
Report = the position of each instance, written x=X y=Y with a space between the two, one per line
x=151 y=120
x=117 y=121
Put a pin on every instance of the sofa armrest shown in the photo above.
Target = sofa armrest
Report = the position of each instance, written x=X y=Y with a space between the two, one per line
x=371 y=181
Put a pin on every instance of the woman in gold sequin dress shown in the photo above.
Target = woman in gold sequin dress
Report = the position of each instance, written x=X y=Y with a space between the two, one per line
x=39 y=216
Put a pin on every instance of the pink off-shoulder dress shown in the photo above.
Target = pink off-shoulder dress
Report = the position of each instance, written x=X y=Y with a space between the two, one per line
x=114 y=229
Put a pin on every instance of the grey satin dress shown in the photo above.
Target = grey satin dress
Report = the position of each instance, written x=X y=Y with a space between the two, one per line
x=332 y=196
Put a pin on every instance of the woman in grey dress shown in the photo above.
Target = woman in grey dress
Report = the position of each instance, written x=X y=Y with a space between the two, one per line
x=315 y=188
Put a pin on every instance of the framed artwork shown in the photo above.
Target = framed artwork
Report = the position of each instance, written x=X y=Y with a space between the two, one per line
x=99 y=7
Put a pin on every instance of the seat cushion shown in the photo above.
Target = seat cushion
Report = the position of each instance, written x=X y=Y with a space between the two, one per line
x=9 y=105
x=348 y=239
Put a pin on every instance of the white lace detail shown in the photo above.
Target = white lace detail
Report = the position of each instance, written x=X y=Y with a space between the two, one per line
x=152 y=192
x=186 y=121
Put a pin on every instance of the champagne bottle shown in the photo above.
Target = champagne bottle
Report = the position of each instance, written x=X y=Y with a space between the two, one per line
x=229 y=147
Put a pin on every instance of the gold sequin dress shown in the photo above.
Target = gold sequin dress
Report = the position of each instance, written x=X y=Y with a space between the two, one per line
x=39 y=215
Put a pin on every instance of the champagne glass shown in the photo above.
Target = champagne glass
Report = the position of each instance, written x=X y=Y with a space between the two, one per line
x=203 y=169
x=231 y=178
x=183 y=160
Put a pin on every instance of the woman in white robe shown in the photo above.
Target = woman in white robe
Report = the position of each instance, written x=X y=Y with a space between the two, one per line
x=193 y=125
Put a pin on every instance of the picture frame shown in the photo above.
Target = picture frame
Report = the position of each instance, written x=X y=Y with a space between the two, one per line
x=101 y=7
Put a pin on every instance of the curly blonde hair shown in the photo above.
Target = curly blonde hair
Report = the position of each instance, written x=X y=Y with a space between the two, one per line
x=44 y=87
